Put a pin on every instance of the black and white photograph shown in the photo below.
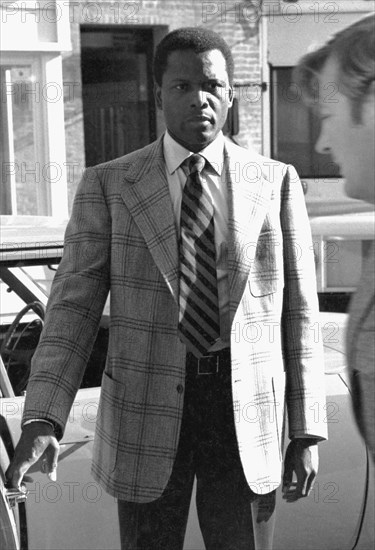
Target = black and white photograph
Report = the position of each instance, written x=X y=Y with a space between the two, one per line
x=187 y=275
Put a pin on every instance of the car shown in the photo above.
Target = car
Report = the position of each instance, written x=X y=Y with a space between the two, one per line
x=74 y=512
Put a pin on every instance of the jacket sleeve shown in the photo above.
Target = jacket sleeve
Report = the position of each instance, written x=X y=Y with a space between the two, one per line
x=302 y=342
x=74 y=309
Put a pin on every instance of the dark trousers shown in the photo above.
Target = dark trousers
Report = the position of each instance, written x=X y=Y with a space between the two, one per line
x=231 y=516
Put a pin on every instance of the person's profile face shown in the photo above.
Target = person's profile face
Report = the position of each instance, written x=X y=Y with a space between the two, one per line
x=351 y=144
x=194 y=96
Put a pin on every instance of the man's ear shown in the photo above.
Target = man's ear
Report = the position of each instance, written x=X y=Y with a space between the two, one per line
x=157 y=95
x=230 y=95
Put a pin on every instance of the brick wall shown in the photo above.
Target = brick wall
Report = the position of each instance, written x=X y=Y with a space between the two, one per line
x=239 y=23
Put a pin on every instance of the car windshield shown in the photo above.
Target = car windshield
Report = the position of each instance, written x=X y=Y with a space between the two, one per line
x=25 y=285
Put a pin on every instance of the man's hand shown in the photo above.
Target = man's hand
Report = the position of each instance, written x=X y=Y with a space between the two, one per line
x=302 y=458
x=37 y=440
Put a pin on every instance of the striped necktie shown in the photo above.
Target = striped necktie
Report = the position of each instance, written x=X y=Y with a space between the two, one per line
x=199 y=324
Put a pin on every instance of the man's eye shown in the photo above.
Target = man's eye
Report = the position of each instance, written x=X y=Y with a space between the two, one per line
x=181 y=86
x=214 y=85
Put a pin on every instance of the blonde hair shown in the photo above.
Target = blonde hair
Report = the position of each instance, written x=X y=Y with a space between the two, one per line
x=354 y=50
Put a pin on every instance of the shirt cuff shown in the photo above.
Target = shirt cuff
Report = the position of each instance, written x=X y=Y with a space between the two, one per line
x=40 y=420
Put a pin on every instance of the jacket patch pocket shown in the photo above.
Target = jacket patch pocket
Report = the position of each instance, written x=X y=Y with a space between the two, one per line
x=266 y=275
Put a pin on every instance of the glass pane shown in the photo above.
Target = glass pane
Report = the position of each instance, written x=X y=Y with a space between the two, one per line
x=296 y=129
x=12 y=303
x=18 y=150
x=42 y=275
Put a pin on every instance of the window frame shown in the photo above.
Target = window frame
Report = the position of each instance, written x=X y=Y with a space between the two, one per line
x=49 y=133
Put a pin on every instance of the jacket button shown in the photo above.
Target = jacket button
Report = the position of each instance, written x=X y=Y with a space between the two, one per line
x=180 y=388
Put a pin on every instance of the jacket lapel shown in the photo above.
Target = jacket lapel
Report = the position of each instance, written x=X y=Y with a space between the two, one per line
x=249 y=194
x=146 y=195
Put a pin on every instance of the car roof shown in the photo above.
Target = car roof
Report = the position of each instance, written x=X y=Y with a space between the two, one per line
x=31 y=238
x=359 y=225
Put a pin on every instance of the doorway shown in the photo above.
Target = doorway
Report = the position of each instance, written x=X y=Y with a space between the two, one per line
x=117 y=90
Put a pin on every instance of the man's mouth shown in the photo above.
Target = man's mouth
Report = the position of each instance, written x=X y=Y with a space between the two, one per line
x=200 y=118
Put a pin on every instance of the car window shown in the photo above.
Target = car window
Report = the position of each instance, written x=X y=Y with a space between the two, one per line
x=42 y=275
x=19 y=336
x=11 y=302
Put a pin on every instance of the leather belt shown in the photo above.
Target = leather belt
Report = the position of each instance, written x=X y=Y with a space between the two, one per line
x=211 y=363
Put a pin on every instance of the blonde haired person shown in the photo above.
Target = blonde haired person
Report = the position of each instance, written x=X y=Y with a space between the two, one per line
x=347 y=62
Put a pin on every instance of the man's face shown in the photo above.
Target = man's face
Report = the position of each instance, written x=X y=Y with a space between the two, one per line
x=194 y=96
x=351 y=144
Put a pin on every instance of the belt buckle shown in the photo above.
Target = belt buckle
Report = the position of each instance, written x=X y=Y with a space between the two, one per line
x=213 y=360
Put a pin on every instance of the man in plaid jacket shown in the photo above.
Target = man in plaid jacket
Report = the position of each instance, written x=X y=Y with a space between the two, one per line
x=166 y=415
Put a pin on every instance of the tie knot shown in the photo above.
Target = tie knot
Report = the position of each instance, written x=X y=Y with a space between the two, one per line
x=196 y=163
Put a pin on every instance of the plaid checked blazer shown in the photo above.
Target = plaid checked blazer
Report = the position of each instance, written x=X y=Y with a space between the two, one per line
x=122 y=238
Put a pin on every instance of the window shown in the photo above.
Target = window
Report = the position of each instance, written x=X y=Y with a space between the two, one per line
x=19 y=149
x=296 y=129
x=32 y=150
x=32 y=143
x=29 y=282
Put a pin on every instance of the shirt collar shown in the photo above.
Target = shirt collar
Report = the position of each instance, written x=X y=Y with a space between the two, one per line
x=175 y=154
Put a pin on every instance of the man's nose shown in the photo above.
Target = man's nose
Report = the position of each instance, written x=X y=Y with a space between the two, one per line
x=322 y=145
x=199 y=98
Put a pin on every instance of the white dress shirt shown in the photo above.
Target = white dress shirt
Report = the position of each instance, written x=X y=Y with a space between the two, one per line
x=215 y=185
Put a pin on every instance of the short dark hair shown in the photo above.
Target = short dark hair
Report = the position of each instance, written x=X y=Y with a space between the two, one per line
x=198 y=40
x=354 y=50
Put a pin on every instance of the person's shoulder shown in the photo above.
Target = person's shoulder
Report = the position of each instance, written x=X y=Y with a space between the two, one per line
x=234 y=149
x=128 y=162
x=250 y=157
